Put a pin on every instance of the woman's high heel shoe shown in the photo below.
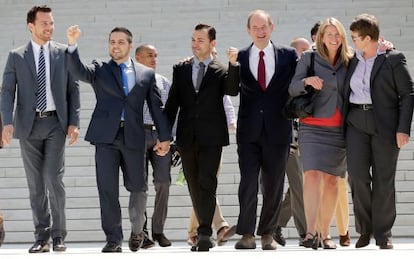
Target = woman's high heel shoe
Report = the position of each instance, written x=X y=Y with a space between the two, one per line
x=316 y=241
x=328 y=243
x=309 y=239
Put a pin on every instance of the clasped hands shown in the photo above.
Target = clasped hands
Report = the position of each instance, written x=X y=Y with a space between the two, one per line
x=162 y=148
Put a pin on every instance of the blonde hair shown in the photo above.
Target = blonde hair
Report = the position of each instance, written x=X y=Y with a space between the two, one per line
x=344 y=52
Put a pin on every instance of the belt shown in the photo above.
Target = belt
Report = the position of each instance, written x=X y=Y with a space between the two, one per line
x=364 y=107
x=122 y=124
x=46 y=114
x=150 y=127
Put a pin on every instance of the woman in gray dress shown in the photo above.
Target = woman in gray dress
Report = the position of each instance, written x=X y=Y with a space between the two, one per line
x=321 y=141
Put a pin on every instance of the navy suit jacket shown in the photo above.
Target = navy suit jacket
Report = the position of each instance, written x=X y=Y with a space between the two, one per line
x=20 y=82
x=106 y=80
x=262 y=111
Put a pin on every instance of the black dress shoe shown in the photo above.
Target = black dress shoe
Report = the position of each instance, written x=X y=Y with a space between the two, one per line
x=278 y=236
x=58 y=245
x=40 y=246
x=147 y=243
x=161 y=239
x=387 y=244
x=135 y=241
x=204 y=243
x=363 y=240
x=112 y=247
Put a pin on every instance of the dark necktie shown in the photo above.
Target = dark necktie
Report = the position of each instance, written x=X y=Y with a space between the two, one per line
x=200 y=75
x=41 y=82
x=261 y=71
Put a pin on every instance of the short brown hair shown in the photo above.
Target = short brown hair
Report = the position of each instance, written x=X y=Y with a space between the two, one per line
x=31 y=14
x=366 y=25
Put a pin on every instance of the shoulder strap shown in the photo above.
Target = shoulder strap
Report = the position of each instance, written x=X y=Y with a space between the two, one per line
x=311 y=70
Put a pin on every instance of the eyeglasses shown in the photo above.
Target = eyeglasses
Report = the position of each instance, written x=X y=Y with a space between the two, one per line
x=356 y=37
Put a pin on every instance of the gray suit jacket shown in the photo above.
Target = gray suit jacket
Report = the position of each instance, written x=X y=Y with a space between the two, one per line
x=20 y=81
x=329 y=98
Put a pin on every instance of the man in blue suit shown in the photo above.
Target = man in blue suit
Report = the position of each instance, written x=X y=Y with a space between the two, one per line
x=40 y=106
x=117 y=130
x=263 y=134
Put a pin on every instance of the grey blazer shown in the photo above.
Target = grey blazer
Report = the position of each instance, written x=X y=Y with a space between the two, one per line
x=20 y=74
x=329 y=98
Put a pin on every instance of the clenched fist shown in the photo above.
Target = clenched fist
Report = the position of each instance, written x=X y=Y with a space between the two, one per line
x=73 y=34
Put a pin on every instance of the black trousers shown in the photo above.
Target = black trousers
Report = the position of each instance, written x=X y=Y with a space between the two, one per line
x=200 y=165
x=372 y=162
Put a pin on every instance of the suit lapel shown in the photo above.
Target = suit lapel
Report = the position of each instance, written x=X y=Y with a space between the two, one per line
x=377 y=65
x=29 y=57
x=245 y=69
x=53 y=59
x=116 y=71
x=275 y=50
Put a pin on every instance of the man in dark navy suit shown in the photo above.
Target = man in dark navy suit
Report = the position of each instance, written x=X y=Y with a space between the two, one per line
x=263 y=134
x=117 y=130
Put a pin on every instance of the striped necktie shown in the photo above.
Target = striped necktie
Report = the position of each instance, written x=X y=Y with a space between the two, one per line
x=41 y=82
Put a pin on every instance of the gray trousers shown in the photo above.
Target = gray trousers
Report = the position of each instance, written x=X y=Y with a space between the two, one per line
x=292 y=205
x=43 y=159
x=161 y=166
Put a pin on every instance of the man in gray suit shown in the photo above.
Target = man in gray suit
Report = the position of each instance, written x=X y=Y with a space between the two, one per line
x=47 y=109
x=117 y=130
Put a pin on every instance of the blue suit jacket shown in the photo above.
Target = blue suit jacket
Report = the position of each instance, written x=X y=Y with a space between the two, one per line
x=262 y=111
x=106 y=80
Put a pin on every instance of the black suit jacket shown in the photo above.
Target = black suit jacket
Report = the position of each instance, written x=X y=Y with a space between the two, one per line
x=201 y=115
x=391 y=94
x=260 y=110
x=106 y=80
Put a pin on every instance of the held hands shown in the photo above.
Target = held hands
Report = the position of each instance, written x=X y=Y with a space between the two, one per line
x=162 y=148
x=73 y=34
x=73 y=133
x=7 y=134
x=232 y=53
x=314 y=81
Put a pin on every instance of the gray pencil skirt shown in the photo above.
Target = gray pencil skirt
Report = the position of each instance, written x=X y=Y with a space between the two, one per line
x=323 y=149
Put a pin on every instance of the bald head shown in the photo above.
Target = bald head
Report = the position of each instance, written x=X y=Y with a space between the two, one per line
x=301 y=45
x=147 y=55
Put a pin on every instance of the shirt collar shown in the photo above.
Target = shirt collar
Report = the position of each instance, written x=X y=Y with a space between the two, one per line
x=206 y=61
x=36 y=47
x=267 y=50
x=128 y=63
x=360 y=54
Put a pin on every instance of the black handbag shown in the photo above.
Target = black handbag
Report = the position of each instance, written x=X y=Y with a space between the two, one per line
x=302 y=105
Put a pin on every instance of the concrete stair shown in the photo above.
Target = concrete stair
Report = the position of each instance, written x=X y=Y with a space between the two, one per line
x=168 y=25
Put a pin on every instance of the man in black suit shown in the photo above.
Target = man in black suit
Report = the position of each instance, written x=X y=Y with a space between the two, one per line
x=378 y=108
x=117 y=131
x=45 y=100
x=263 y=134
x=197 y=89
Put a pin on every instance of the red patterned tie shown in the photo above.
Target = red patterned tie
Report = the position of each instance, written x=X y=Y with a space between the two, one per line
x=261 y=72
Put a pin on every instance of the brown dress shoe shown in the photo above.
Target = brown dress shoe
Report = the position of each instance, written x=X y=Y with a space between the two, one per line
x=345 y=240
x=224 y=234
x=363 y=240
x=246 y=242
x=135 y=241
x=268 y=243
